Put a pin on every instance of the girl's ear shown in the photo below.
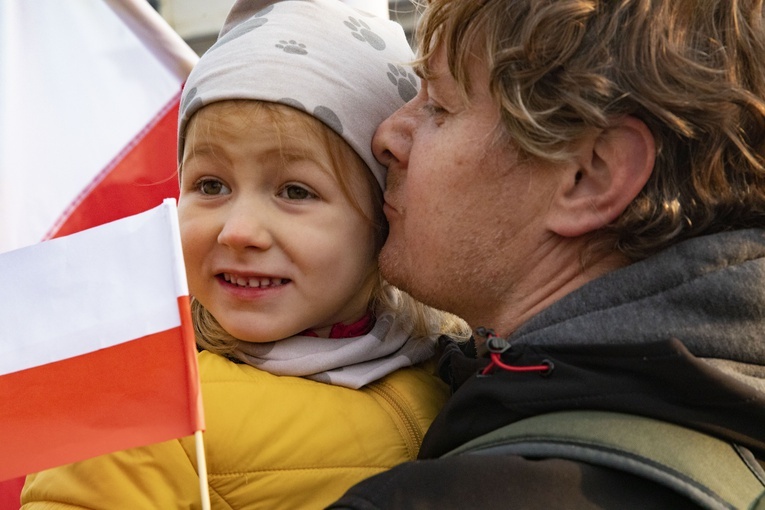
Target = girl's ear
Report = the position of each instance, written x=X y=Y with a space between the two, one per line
x=609 y=169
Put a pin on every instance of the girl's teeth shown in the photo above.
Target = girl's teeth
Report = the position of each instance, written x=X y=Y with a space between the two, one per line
x=252 y=282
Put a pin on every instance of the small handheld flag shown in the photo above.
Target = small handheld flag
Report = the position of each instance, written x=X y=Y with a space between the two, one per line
x=97 y=351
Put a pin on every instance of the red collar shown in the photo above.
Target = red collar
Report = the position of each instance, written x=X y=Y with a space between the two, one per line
x=340 y=330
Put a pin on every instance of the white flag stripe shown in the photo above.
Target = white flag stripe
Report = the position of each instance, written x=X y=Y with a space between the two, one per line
x=76 y=86
x=181 y=284
x=91 y=290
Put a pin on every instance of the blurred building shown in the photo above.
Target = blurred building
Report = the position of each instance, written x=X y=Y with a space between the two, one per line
x=198 y=21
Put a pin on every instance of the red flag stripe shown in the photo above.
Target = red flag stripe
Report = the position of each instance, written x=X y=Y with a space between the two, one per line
x=10 y=493
x=137 y=179
x=107 y=400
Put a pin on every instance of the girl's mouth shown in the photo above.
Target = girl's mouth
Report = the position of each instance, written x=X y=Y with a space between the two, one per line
x=253 y=281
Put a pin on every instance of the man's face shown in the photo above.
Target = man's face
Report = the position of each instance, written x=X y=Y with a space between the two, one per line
x=466 y=219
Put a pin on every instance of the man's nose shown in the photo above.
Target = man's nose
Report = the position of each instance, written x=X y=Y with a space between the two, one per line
x=393 y=139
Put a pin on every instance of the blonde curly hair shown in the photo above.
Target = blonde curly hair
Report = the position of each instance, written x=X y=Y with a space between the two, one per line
x=692 y=70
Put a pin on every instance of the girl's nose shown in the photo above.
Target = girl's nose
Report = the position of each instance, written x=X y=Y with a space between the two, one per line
x=245 y=227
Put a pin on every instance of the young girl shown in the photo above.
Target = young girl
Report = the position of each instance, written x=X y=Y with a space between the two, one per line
x=314 y=371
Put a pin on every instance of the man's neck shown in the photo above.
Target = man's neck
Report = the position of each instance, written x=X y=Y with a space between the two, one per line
x=557 y=273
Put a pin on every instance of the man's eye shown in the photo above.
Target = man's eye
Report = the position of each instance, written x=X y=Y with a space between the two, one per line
x=212 y=187
x=295 y=192
x=434 y=109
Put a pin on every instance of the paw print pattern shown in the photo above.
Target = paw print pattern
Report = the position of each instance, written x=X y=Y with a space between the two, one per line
x=292 y=46
x=192 y=102
x=293 y=103
x=190 y=95
x=323 y=113
x=329 y=117
x=244 y=28
x=406 y=82
x=362 y=32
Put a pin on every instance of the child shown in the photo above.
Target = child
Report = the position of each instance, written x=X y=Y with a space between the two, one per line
x=312 y=368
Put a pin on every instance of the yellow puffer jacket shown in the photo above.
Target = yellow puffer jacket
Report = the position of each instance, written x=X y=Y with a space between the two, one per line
x=271 y=442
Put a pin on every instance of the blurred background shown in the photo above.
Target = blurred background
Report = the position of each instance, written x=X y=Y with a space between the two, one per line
x=198 y=21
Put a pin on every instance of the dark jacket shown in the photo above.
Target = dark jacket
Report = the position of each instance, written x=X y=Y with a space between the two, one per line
x=679 y=337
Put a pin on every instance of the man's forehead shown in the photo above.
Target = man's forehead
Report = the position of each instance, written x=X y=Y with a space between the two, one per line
x=435 y=66
x=438 y=74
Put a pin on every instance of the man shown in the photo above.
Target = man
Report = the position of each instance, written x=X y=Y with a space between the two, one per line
x=585 y=180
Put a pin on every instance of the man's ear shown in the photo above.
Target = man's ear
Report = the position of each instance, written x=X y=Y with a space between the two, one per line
x=609 y=169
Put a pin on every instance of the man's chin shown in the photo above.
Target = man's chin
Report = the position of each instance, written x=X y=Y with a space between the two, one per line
x=395 y=266
x=390 y=262
x=396 y=270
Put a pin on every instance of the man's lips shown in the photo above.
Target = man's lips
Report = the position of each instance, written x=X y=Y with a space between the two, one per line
x=388 y=207
x=393 y=212
x=253 y=281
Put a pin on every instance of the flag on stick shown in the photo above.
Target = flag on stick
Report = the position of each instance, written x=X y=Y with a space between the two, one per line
x=88 y=113
x=97 y=352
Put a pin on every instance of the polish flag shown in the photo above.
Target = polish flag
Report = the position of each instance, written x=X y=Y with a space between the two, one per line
x=97 y=352
x=89 y=95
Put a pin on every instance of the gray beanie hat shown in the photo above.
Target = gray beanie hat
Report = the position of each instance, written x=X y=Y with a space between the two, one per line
x=340 y=65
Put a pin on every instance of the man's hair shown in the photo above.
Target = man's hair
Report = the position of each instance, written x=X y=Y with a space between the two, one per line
x=692 y=70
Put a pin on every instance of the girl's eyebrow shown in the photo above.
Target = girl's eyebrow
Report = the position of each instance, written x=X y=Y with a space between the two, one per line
x=203 y=151
x=294 y=155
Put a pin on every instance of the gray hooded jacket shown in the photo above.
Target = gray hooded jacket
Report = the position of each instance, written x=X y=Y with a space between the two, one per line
x=678 y=337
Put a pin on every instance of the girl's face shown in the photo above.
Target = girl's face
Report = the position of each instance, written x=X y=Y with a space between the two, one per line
x=272 y=244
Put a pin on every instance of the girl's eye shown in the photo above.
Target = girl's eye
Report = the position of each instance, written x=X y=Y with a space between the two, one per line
x=296 y=192
x=212 y=187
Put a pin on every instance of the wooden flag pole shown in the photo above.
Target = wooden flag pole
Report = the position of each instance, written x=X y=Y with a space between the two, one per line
x=204 y=490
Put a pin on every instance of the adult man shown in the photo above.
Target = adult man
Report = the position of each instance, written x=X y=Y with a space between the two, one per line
x=586 y=178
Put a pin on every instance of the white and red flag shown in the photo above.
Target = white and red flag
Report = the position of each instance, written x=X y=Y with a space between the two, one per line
x=97 y=351
x=89 y=95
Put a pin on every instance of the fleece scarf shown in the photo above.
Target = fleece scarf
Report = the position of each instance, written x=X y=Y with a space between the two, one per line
x=349 y=362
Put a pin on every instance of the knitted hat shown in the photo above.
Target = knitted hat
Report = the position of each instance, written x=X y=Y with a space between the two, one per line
x=340 y=65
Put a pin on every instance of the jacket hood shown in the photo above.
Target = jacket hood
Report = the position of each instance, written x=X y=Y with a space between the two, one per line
x=707 y=292
x=679 y=336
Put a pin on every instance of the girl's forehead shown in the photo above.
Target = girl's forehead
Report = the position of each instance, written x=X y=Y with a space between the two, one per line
x=278 y=125
x=246 y=113
x=261 y=128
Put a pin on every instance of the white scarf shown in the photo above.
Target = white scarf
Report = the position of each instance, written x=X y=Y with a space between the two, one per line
x=349 y=362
